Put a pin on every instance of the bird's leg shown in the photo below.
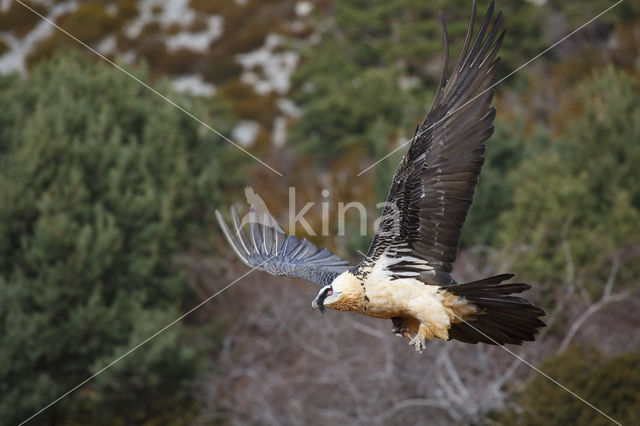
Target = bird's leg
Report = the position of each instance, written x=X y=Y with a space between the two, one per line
x=400 y=328
x=419 y=340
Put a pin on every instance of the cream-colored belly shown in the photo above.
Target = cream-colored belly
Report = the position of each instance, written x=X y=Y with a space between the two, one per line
x=428 y=309
x=406 y=297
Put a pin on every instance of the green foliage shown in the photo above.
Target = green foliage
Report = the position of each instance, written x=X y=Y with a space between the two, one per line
x=494 y=190
x=584 y=186
x=346 y=109
x=506 y=150
x=383 y=32
x=574 y=13
x=333 y=124
x=102 y=183
x=611 y=384
x=371 y=79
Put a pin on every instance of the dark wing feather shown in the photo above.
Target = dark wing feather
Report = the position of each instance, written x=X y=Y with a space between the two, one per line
x=433 y=187
x=266 y=247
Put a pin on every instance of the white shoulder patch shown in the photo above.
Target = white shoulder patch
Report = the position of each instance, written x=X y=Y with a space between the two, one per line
x=402 y=267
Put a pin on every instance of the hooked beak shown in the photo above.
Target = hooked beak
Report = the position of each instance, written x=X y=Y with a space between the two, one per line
x=315 y=305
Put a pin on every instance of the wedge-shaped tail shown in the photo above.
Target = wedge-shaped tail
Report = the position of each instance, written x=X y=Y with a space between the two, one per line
x=502 y=318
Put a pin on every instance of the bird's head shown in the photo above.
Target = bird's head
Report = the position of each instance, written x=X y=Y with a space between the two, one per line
x=343 y=294
x=326 y=297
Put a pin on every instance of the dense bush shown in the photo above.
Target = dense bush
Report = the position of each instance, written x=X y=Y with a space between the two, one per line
x=371 y=79
x=611 y=384
x=494 y=193
x=582 y=190
x=102 y=184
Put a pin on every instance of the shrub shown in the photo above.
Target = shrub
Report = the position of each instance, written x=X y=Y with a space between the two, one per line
x=611 y=384
x=585 y=182
x=102 y=184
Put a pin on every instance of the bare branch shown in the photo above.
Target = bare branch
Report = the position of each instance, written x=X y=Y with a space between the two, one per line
x=586 y=315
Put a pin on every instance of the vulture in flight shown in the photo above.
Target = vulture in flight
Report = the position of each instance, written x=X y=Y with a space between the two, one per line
x=405 y=276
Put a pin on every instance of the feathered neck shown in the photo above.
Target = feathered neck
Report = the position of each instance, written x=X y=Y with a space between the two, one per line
x=351 y=293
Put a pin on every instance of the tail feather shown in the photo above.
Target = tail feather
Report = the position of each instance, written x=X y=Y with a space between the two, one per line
x=502 y=318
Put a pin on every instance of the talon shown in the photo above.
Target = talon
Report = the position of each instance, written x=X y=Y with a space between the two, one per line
x=419 y=343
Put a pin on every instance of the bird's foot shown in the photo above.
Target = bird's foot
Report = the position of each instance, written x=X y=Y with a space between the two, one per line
x=400 y=328
x=418 y=342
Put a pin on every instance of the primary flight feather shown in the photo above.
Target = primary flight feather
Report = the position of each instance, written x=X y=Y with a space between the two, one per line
x=405 y=275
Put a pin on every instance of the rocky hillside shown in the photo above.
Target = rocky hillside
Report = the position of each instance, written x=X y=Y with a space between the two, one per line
x=240 y=49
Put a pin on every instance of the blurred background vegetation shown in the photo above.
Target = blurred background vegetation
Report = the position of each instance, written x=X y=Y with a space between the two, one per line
x=107 y=193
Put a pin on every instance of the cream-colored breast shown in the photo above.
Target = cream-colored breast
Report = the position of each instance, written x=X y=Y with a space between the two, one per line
x=410 y=298
x=402 y=297
x=381 y=296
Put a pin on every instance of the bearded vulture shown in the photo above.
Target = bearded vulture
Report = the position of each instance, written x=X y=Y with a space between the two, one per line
x=405 y=276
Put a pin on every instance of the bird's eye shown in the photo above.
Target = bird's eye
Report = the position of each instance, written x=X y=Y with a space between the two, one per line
x=329 y=292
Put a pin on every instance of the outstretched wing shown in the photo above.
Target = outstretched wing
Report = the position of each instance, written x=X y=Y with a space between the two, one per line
x=433 y=187
x=266 y=247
